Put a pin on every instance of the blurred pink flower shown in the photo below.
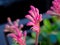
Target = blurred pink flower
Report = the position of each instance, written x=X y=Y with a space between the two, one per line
x=55 y=9
x=16 y=32
x=35 y=18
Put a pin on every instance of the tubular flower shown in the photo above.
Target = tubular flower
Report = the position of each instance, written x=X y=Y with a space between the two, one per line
x=35 y=18
x=55 y=9
x=16 y=32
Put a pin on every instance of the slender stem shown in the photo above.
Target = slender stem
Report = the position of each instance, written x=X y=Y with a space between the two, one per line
x=37 y=35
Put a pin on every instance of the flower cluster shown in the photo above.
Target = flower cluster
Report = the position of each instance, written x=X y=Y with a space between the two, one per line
x=55 y=9
x=35 y=19
x=16 y=32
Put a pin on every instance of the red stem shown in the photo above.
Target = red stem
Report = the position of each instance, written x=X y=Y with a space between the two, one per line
x=37 y=35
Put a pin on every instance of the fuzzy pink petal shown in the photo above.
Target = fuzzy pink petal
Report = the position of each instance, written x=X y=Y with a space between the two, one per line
x=40 y=17
x=55 y=5
x=32 y=8
x=6 y=30
x=12 y=35
x=16 y=30
x=30 y=24
x=15 y=23
x=9 y=21
x=50 y=12
x=7 y=26
x=19 y=33
x=52 y=8
x=37 y=11
x=31 y=13
x=29 y=17
x=53 y=13
x=35 y=29
x=25 y=34
x=21 y=26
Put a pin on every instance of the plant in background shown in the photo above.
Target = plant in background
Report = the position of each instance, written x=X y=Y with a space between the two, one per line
x=55 y=9
x=35 y=19
x=16 y=31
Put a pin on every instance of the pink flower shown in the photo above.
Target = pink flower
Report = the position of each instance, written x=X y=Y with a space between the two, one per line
x=35 y=18
x=55 y=9
x=16 y=32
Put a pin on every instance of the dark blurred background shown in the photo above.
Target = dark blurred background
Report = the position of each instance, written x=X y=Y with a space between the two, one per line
x=19 y=8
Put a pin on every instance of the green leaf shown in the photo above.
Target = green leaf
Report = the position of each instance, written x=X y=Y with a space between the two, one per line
x=33 y=35
x=54 y=18
x=47 y=24
x=58 y=37
x=54 y=27
x=44 y=29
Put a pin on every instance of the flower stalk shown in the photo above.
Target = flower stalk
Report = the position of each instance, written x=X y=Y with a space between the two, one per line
x=35 y=19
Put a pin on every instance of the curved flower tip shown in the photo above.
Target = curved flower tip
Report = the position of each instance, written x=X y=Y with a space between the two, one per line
x=6 y=28
x=21 y=26
x=32 y=7
x=9 y=21
x=12 y=35
x=25 y=33
x=40 y=17
x=50 y=12
x=29 y=17
x=30 y=24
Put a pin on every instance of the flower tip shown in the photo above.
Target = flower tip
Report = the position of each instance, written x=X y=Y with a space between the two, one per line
x=8 y=18
x=5 y=30
x=21 y=26
x=9 y=21
x=25 y=33
x=18 y=20
x=28 y=24
x=7 y=26
x=31 y=5
x=26 y=16
x=41 y=15
x=49 y=12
